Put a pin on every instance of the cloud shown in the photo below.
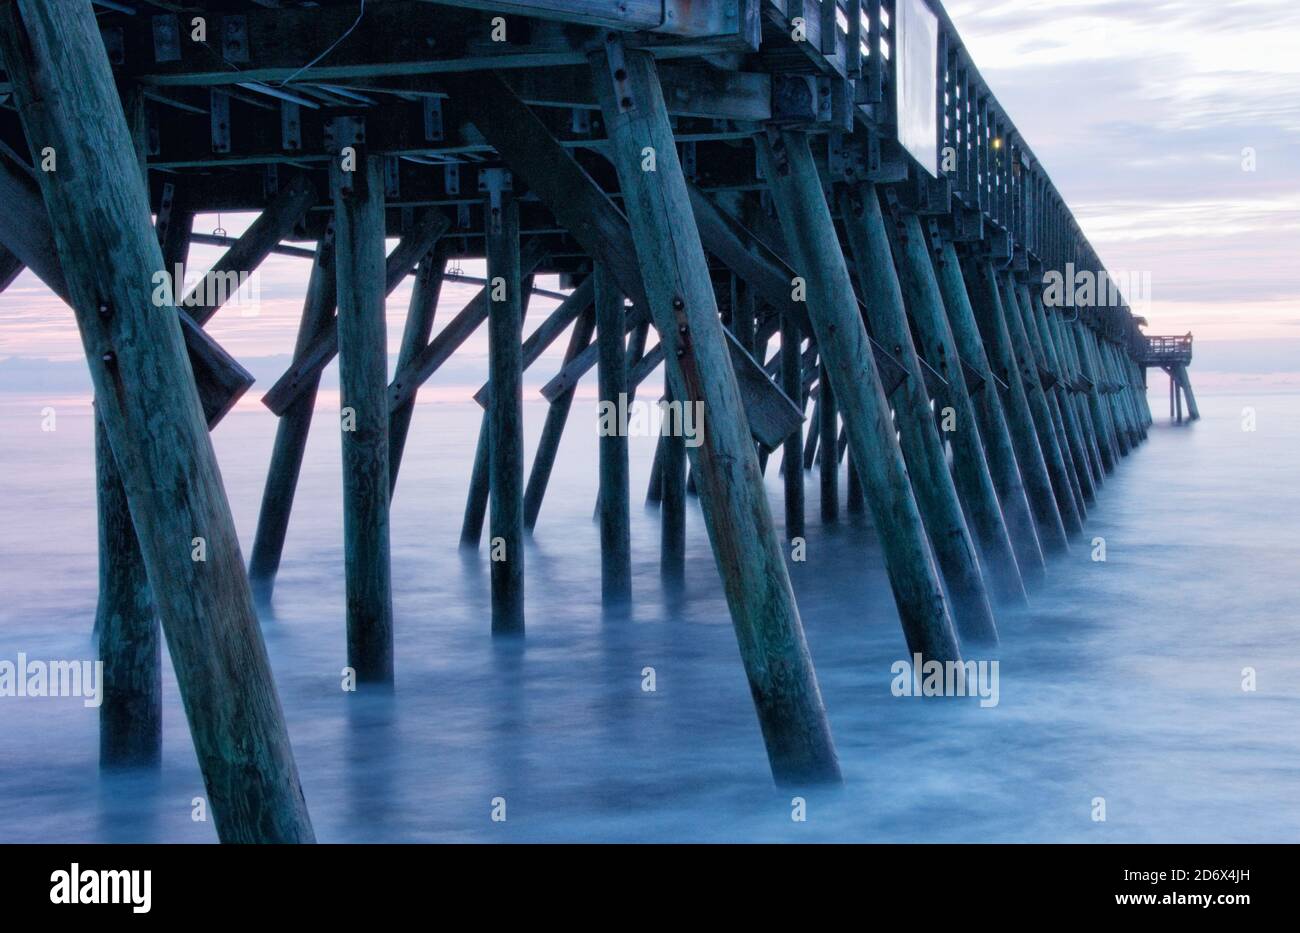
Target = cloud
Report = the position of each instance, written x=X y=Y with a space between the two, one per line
x=1145 y=115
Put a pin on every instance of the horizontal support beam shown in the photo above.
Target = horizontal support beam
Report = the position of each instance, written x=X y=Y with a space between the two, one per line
x=395 y=38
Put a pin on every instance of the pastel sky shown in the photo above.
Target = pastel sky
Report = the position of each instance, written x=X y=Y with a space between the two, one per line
x=1142 y=112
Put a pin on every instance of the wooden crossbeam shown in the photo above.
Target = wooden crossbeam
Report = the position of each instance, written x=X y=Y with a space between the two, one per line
x=393 y=39
x=272 y=225
x=307 y=365
x=25 y=230
x=588 y=213
x=424 y=364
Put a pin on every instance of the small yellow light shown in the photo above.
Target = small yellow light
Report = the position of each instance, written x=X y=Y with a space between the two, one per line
x=997 y=142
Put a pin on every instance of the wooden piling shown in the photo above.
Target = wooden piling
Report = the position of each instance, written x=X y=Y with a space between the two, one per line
x=1047 y=379
x=680 y=298
x=615 y=509
x=1105 y=430
x=557 y=415
x=1101 y=377
x=846 y=355
x=1031 y=377
x=363 y=382
x=672 y=508
x=1185 y=381
x=995 y=438
x=969 y=475
x=415 y=337
x=828 y=423
x=153 y=420
x=1067 y=430
x=927 y=466
x=126 y=626
x=986 y=300
x=291 y=431
x=505 y=414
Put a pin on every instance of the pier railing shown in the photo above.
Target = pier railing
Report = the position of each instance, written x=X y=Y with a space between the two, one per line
x=1166 y=351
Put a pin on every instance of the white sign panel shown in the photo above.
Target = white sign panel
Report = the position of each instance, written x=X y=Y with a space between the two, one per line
x=916 y=45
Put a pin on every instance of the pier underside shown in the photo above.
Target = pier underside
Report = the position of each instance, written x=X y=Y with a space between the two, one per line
x=814 y=216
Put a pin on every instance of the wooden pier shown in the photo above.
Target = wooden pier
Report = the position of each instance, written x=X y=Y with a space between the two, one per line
x=1173 y=355
x=708 y=178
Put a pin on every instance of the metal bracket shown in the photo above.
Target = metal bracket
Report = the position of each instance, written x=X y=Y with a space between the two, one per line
x=617 y=63
x=689 y=165
x=496 y=182
x=451 y=178
x=219 y=105
x=580 y=121
x=290 y=126
x=340 y=133
x=885 y=160
x=846 y=158
x=894 y=208
x=166 y=38
x=937 y=236
x=433 y=126
x=234 y=38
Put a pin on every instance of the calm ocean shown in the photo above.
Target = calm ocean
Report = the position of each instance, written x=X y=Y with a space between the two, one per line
x=1123 y=681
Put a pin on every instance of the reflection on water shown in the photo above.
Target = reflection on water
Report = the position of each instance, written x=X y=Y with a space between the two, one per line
x=1122 y=682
